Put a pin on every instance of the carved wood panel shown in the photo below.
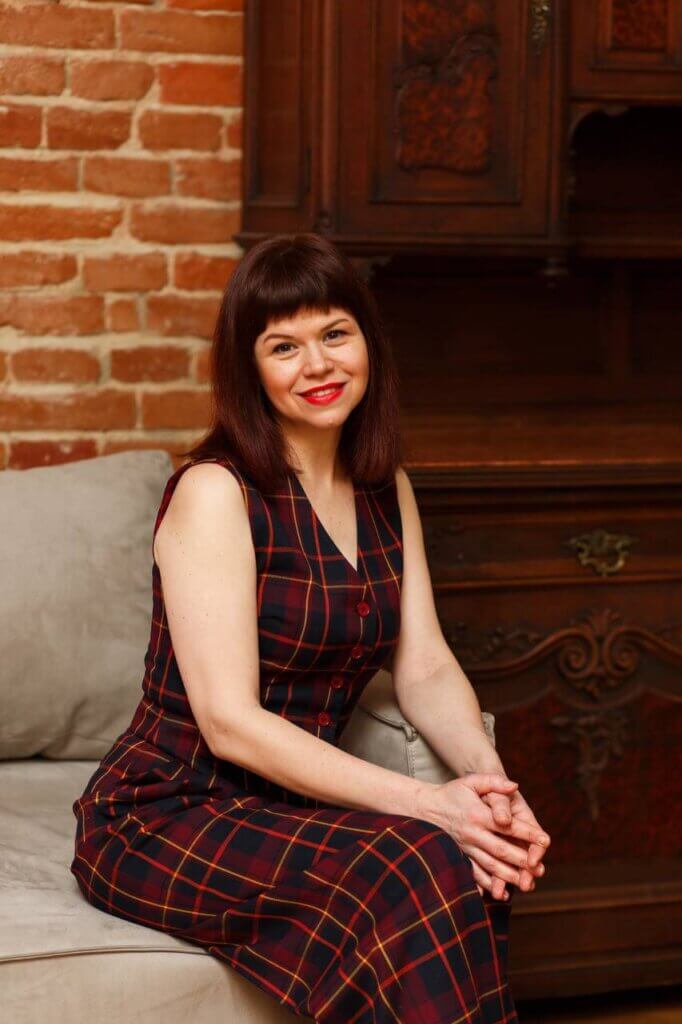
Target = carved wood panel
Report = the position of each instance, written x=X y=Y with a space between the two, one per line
x=628 y=48
x=446 y=116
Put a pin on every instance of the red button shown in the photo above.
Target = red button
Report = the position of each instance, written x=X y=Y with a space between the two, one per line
x=357 y=652
x=323 y=718
x=362 y=608
x=337 y=681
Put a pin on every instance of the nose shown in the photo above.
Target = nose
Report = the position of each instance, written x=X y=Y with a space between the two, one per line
x=317 y=360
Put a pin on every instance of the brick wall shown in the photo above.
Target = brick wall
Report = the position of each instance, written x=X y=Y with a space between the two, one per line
x=120 y=136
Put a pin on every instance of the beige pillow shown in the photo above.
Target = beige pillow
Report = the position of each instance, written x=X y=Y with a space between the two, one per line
x=75 y=600
x=378 y=732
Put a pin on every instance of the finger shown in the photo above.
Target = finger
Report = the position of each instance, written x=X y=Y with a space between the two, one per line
x=500 y=807
x=493 y=866
x=534 y=835
x=482 y=878
x=499 y=889
x=486 y=883
x=498 y=847
x=484 y=782
x=522 y=811
x=532 y=853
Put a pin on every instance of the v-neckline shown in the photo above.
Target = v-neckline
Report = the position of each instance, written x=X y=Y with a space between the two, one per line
x=325 y=531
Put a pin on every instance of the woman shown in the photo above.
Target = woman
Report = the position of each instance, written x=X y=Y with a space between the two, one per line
x=288 y=568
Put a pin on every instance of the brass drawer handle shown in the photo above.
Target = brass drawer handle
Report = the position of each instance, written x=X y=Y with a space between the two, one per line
x=602 y=551
x=540 y=13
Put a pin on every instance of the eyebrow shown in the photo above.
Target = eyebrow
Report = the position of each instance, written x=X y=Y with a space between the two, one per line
x=291 y=336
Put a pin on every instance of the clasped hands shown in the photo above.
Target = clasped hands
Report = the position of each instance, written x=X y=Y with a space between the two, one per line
x=494 y=826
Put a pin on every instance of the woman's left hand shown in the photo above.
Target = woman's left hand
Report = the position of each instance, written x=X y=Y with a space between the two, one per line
x=503 y=807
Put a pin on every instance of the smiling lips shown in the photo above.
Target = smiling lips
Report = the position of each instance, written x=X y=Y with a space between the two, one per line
x=323 y=395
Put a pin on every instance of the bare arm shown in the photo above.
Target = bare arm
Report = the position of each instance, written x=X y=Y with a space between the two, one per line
x=432 y=691
x=205 y=554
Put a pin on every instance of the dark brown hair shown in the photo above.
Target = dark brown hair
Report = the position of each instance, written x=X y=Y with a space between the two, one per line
x=279 y=277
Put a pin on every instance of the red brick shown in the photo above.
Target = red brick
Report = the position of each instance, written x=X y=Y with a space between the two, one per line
x=177 y=410
x=181 y=32
x=149 y=362
x=30 y=269
x=125 y=176
x=173 y=314
x=195 y=272
x=208 y=177
x=147 y=3
x=51 y=25
x=20 y=125
x=54 y=314
x=25 y=454
x=182 y=225
x=85 y=409
x=55 y=365
x=202 y=366
x=233 y=132
x=201 y=85
x=163 y=129
x=18 y=223
x=4 y=363
x=71 y=128
x=125 y=272
x=237 y=6
x=122 y=315
x=21 y=174
x=111 y=79
x=35 y=76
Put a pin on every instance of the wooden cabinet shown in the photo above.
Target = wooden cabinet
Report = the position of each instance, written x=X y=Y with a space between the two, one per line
x=506 y=172
x=559 y=589
x=405 y=123
x=445 y=120
x=626 y=49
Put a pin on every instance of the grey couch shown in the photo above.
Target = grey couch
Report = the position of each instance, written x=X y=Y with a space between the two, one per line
x=75 y=603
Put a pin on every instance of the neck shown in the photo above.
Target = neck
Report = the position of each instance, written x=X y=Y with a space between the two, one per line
x=315 y=456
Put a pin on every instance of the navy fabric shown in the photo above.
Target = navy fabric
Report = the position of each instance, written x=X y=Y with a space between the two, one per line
x=345 y=916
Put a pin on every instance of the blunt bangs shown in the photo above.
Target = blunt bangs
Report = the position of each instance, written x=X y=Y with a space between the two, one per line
x=278 y=278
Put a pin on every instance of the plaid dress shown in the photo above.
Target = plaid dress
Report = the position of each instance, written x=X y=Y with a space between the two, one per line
x=344 y=916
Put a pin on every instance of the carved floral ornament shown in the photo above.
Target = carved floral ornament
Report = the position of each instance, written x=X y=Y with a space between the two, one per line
x=596 y=660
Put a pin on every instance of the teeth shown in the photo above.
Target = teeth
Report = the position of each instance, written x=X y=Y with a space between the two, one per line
x=320 y=394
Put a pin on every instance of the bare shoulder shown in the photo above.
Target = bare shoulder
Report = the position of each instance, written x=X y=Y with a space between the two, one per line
x=207 y=506
x=207 y=480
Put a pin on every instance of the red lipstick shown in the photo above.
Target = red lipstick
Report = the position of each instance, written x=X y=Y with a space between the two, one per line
x=323 y=395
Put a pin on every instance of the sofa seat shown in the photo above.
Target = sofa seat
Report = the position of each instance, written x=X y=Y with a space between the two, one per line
x=58 y=954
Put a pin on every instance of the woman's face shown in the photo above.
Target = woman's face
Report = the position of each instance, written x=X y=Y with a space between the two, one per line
x=316 y=350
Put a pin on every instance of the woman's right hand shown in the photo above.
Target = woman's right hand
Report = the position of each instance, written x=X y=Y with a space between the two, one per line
x=457 y=806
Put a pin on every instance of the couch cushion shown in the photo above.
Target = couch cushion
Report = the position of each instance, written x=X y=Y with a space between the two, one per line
x=377 y=731
x=62 y=960
x=76 y=546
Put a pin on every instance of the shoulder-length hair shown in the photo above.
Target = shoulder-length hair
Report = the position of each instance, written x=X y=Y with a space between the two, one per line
x=279 y=277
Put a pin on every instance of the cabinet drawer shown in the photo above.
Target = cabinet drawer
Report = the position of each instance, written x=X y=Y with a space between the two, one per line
x=493 y=547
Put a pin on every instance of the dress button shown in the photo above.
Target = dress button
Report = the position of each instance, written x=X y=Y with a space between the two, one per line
x=323 y=718
x=362 y=608
x=357 y=652
x=337 y=681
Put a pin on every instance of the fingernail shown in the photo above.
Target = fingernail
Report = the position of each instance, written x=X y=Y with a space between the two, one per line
x=544 y=839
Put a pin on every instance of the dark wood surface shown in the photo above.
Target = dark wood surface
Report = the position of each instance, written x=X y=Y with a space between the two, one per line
x=506 y=177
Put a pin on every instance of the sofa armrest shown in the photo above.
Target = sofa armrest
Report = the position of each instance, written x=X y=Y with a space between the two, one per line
x=378 y=732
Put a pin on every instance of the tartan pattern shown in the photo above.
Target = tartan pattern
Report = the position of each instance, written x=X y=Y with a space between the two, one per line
x=342 y=915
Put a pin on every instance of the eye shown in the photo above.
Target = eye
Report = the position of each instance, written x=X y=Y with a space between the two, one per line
x=282 y=343
x=335 y=330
